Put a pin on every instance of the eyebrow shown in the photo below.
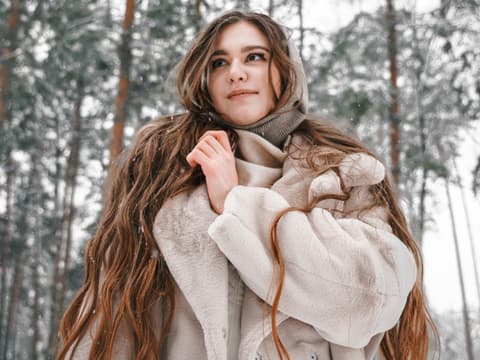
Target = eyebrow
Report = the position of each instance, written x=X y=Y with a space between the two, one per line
x=243 y=49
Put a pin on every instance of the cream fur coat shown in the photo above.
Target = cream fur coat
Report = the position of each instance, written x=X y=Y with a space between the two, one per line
x=347 y=277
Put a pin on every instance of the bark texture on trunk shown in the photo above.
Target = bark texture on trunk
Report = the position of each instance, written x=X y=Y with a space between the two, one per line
x=57 y=238
x=423 y=186
x=198 y=12
x=394 y=107
x=302 y=29
x=64 y=239
x=466 y=320
x=13 y=305
x=9 y=55
x=473 y=249
x=123 y=83
x=270 y=8
x=5 y=247
x=72 y=174
x=37 y=253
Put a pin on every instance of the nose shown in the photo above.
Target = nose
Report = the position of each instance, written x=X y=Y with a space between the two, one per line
x=237 y=72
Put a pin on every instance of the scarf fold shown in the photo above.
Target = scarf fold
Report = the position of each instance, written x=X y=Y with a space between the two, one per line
x=275 y=128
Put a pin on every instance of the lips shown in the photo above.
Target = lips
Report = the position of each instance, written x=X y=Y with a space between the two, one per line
x=241 y=92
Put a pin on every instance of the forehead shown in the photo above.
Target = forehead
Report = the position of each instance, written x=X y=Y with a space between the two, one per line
x=238 y=35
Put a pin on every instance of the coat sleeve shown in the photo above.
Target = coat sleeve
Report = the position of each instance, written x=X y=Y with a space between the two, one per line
x=347 y=277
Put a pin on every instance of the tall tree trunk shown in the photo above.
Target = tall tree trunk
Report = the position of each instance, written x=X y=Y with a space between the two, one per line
x=270 y=8
x=302 y=29
x=8 y=56
x=36 y=250
x=198 y=12
x=423 y=150
x=394 y=108
x=36 y=288
x=124 y=82
x=476 y=177
x=109 y=14
x=56 y=252
x=13 y=304
x=473 y=251
x=419 y=70
x=5 y=70
x=425 y=171
x=62 y=261
x=381 y=133
x=5 y=245
x=466 y=320
x=74 y=159
x=68 y=243
x=31 y=201
x=56 y=288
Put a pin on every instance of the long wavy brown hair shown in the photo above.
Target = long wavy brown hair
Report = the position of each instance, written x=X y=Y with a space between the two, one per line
x=126 y=278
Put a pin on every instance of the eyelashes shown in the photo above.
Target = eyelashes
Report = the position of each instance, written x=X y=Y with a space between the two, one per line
x=217 y=63
x=256 y=56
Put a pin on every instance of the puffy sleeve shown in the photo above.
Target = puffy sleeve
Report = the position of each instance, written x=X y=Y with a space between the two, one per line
x=347 y=277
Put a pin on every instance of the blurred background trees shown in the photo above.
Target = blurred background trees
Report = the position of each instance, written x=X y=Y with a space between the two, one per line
x=78 y=78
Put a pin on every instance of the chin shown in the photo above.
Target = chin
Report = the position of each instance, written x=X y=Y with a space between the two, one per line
x=243 y=119
x=248 y=121
x=244 y=115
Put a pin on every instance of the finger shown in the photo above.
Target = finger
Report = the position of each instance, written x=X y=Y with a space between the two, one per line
x=196 y=157
x=222 y=138
x=190 y=160
x=207 y=149
x=213 y=133
x=214 y=144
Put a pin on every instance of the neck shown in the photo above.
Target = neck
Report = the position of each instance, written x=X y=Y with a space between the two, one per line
x=275 y=128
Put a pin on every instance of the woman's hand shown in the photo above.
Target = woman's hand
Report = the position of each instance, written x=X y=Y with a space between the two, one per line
x=214 y=155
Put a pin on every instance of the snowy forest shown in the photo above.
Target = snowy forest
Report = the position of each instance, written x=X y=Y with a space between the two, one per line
x=78 y=78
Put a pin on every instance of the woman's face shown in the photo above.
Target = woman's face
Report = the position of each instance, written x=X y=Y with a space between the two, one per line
x=239 y=81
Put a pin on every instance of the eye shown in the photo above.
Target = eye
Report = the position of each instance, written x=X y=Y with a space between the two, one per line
x=256 y=57
x=217 y=63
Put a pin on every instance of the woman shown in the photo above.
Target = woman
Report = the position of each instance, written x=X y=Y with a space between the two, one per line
x=244 y=229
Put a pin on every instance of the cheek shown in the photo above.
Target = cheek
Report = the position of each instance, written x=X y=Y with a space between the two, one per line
x=213 y=87
x=276 y=81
